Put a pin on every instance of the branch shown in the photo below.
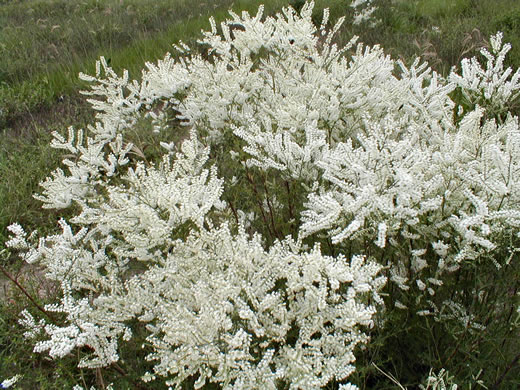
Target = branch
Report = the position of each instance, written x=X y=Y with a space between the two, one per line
x=24 y=291
x=251 y=181
x=496 y=386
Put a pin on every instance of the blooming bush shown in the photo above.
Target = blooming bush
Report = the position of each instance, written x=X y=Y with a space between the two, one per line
x=296 y=178
x=363 y=11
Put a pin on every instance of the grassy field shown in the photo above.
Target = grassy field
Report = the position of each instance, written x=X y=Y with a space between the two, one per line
x=44 y=44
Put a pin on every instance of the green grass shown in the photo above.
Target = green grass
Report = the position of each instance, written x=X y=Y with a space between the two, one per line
x=24 y=162
x=44 y=44
x=41 y=36
x=442 y=32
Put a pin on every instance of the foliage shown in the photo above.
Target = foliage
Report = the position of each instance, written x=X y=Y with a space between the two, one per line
x=329 y=202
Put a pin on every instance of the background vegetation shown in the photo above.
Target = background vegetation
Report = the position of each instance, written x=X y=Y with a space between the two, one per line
x=44 y=44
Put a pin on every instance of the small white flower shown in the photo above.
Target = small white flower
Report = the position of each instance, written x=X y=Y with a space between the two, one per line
x=9 y=382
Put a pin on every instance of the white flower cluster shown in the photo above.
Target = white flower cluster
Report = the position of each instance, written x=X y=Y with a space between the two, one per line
x=9 y=382
x=78 y=387
x=387 y=170
x=439 y=381
x=364 y=10
x=223 y=309
x=493 y=87
x=446 y=196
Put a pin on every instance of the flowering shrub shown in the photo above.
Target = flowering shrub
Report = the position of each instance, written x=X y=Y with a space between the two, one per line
x=493 y=88
x=253 y=253
x=363 y=11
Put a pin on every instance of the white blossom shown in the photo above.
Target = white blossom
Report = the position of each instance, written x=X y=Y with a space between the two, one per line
x=9 y=382
x=497 y=86
x=271 y=294
x=391 y=172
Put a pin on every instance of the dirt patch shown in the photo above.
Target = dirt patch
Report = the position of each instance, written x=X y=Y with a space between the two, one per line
x=67 y=111
x=32 y=278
